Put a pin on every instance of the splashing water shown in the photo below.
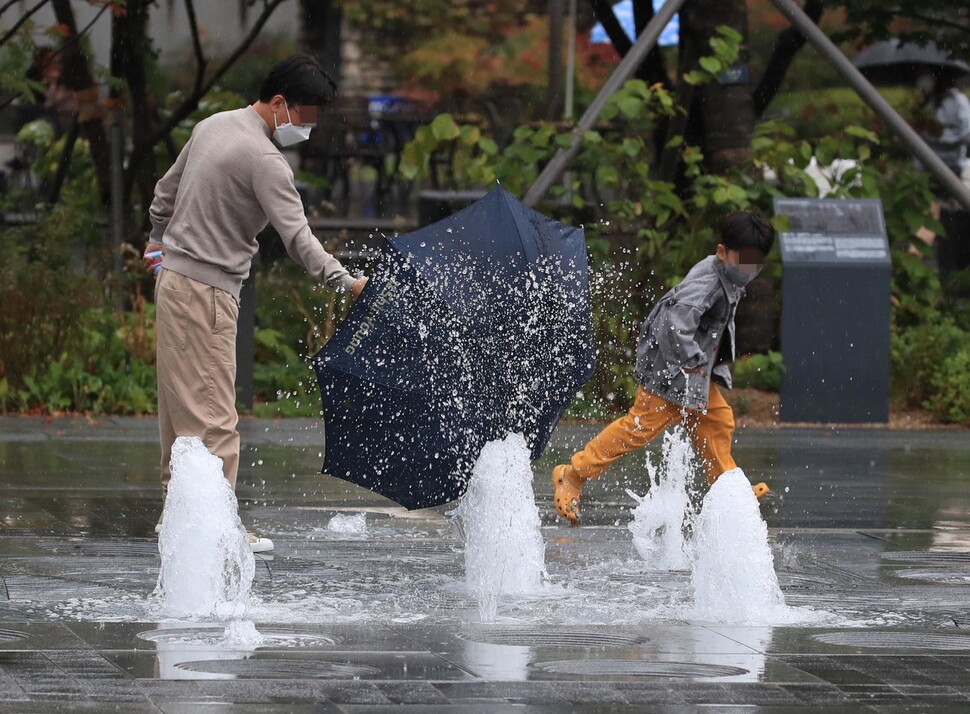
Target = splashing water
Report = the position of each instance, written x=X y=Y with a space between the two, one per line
x=355 y=523
x=207 y=566
x=660 y=518
x=734 y=577
x=504 y=551
x=242 y=634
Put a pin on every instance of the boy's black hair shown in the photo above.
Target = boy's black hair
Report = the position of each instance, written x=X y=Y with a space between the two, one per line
x=747 y=229
x=301 y=80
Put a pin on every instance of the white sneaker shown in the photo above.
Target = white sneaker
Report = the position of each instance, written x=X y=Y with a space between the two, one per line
x=258 y=544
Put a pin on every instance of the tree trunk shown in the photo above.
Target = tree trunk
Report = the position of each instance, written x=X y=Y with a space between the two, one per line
x=652 y=70
x=77 y=77
x=320 y=33
x=727 y=110
x=787 y=45
x=130 y=46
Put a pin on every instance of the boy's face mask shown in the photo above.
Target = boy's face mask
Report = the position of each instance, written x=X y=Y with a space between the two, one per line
x=289 y=134
x=737 y=276
x=743 y=266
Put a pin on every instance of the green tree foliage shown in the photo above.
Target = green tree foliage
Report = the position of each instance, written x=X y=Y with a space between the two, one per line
x=644 y=234
x=943 y=21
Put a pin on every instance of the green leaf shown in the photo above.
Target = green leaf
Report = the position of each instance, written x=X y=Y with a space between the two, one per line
x=630 y=106
x=730 y=33
x=488 y=146
x=760 y=143
x=695 y=78
x=469 y=135
x=825 y=153
x=631 y=147
x=862 y=133
x=564 y=141
x=444 y=128
x=609 y=175
x=712 y=64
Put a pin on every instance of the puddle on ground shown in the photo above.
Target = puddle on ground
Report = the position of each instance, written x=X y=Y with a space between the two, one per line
x=385 y=565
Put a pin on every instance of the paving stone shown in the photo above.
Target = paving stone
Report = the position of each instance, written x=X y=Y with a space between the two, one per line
x=391 y=608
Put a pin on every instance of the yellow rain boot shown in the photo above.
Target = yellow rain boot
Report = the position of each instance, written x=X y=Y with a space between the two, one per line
x=566 y=492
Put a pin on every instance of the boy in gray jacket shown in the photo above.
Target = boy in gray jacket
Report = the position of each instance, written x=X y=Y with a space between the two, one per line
x=686 y=346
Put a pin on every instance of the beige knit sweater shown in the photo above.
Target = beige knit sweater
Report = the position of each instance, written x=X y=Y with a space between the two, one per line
x=228 y=182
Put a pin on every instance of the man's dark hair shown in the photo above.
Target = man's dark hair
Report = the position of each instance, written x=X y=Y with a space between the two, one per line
x=747 y=229
x=301 y=80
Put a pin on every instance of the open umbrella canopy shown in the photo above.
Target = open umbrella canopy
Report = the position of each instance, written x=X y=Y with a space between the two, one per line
x=893 y=62
x=469 y=329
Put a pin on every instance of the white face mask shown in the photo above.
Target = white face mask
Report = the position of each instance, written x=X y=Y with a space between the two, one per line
x=288 y=134
x=925 y=83
x=737 y=276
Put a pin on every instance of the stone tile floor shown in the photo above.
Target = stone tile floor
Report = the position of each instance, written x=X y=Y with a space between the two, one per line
x=870 y=533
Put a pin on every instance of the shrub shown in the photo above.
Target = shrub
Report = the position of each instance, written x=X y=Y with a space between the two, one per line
x=759 y=372
x=917 y=355
x=41 y=295
x=949 y=395
x=294 y=319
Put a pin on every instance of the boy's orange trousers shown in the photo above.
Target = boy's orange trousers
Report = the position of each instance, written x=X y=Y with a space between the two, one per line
x=711 y=434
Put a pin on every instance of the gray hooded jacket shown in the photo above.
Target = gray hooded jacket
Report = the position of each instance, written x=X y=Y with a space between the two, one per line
x=685 y=331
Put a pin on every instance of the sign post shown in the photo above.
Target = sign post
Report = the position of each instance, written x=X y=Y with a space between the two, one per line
x=836 y=311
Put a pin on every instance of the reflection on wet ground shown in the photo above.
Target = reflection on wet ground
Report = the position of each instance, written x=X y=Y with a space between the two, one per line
x=870 y=532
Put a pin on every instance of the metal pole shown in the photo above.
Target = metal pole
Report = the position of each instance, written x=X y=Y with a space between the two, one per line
x=116 y=134
x=645 y=42
x=911 y=140
x=570 y=60
x=554 y=108
x=569 y=108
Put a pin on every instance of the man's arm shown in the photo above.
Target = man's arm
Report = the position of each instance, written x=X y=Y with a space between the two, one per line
x=163 y=203
x=277 y=194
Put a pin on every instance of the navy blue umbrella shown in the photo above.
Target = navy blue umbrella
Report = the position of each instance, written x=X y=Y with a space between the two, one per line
x=469 y=329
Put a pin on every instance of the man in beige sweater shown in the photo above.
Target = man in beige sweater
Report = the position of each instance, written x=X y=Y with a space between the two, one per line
x=227 y=183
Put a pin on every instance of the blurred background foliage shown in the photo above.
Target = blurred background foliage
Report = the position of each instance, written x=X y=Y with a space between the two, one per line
x=77 y=336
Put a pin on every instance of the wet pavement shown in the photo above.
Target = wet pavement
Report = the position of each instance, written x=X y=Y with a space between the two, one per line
x=870 y=532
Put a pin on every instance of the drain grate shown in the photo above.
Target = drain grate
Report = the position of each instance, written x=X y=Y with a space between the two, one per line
x=805 y=580
x=389 y=552
x=435 y=601
x=961 y=620
x=271 y=637
x=923 y=557
x=107 y=549
x=844 y=600
x=948 y=576
x=43 y=589
x=895 y=640
x=653 y=577
x=637 y=668
x=299 y=566
x=12 y=636
x=517 y=637
x=279 y=669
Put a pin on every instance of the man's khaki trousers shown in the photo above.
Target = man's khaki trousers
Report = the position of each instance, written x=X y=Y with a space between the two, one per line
x=195 y=332
x=710 y=433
